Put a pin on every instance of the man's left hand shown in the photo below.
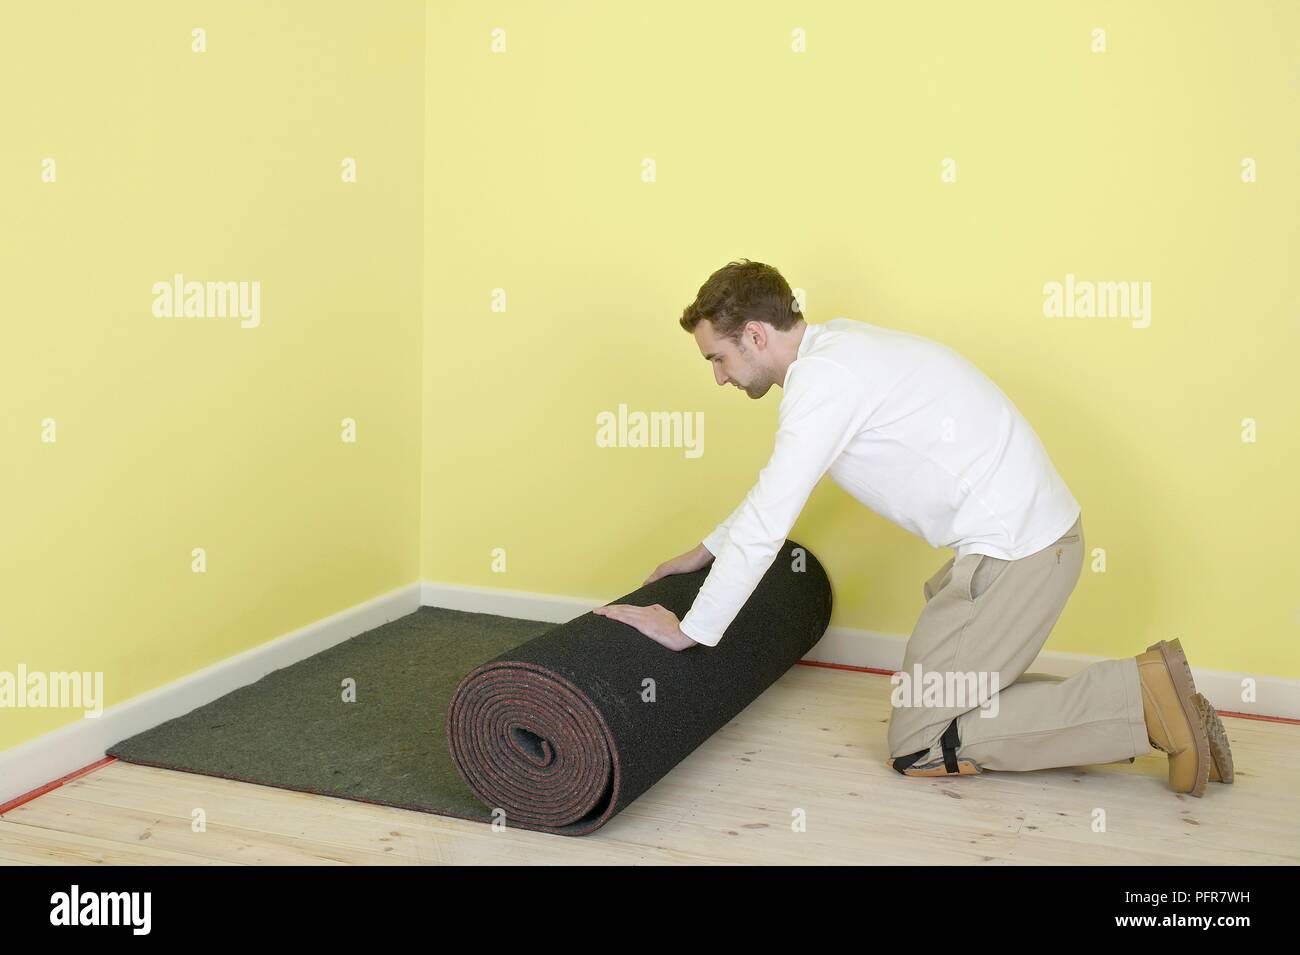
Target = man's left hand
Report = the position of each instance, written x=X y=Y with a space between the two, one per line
x=656 y=621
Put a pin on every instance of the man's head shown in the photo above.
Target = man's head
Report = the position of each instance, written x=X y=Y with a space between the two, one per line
x=747 y=324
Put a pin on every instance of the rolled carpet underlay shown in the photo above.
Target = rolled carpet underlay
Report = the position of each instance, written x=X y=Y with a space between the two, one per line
x=485 y=717
x=563 y=732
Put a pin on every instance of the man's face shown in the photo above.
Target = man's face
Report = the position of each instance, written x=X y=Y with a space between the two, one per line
x=735 y=363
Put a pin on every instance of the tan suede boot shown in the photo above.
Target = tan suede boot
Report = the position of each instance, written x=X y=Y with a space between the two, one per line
x=1174 y=725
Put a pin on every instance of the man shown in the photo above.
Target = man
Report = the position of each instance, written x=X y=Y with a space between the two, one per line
x=918 y=434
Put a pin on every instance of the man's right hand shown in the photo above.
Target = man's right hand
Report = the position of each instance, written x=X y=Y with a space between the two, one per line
x=685 y=563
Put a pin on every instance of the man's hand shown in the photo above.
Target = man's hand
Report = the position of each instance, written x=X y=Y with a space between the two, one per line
x=656 y=621
x=681 y=564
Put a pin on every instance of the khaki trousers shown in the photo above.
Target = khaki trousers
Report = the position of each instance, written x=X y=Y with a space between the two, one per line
x=984 y=617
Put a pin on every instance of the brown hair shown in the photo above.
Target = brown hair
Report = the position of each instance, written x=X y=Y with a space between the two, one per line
x=741 y=292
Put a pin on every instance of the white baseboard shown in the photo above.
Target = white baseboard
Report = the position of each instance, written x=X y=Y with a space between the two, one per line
x=507 y=603
x=1274 y=696
x=39 y=761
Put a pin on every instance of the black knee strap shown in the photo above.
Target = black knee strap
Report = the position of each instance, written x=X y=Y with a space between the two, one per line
x=949 y=741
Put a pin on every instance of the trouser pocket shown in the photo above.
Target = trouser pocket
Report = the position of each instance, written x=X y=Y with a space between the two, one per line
x=987 y=572
x=939 y=580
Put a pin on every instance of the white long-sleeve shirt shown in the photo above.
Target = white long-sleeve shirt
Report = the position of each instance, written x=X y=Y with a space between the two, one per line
x=911 y=429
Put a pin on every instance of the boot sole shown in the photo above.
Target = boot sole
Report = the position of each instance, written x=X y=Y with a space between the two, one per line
x=1180 y=672
x=1218 y=736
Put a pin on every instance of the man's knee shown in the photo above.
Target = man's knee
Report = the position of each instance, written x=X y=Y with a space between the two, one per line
x=937 y=759
x=912 y=728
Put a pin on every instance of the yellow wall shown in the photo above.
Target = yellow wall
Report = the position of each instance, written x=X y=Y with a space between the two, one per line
x=1122 y=165
x=175 y=433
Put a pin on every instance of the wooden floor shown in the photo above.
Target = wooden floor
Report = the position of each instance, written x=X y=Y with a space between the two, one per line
x=814 y=742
